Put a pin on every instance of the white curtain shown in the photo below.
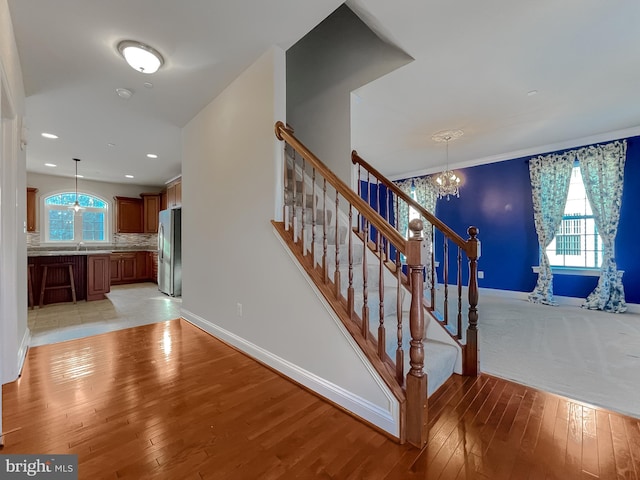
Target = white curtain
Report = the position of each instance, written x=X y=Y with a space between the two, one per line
x=550 y=176
x=402 y=222
x=426 y=196
x=602 y=168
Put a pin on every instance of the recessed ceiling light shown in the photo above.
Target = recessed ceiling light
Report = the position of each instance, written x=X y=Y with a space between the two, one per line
x=531 y=93
x=129 y=176
x=50 y=165
x=152 y=155
x=124 y=93
x=148 y=85
x=141 y=57
x=80 y=176
x=49 y=135
x=111 y=144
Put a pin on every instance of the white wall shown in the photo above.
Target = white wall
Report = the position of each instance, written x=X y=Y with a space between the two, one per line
x=49 y=184
x=13 y=254
x=231 y=255
x=340 y=55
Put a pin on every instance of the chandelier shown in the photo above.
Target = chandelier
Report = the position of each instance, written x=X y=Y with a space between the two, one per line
x=447 y=183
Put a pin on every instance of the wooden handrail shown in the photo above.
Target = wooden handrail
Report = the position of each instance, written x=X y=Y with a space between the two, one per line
x=468 y=247
x=384 y=227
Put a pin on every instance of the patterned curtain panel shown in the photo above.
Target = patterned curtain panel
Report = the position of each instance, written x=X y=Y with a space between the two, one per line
x=550 y=176
x=602 y=168
x=402 y=222
x=426 y=197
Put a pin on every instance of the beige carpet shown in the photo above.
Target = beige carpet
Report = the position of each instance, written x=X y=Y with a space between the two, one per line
x=586 y=355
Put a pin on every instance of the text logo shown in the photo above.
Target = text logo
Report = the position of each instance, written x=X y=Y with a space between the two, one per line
x=41 y=467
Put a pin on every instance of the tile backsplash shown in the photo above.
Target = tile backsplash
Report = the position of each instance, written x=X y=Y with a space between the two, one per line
x=142 y=240
x=147 y=240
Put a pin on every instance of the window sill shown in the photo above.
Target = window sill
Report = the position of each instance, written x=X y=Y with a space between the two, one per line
x=582 y=272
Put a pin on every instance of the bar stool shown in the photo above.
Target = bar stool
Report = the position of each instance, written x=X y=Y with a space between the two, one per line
x=30 y=285
x=70 y=285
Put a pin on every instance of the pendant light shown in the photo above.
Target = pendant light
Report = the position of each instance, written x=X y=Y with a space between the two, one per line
x=76 y=206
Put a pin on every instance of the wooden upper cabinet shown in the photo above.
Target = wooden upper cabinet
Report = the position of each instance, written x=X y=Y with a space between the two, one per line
x=129 y=215
x=31 y=209
x=171 y=196
x=151 y=208
x=163 y=199
x=174 y=193
x=179 y=194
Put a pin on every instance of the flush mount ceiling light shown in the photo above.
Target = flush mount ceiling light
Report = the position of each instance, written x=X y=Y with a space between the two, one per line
x=141 y=57
x=152 y=155
x=49 y=135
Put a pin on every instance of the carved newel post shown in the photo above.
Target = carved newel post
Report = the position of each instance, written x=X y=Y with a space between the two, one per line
x=416 y=384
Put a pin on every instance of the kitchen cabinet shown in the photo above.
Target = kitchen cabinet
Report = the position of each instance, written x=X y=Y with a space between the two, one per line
x=31 y=209
x=163 y=199
x=142 y=272
x=151 y=208
x=98 y=276
x=123 y=268
x=179 y=194
x=174 y=193
x=132 y=267
x=129 y=215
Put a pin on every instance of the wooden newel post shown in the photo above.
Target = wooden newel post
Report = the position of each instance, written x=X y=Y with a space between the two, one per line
x=416 y=385
x=472 y=353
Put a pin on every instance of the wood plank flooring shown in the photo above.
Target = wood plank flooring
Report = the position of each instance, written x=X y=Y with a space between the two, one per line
x=168 y=401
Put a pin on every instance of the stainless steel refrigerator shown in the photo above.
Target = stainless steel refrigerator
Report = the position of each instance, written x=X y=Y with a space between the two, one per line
x=169 y=252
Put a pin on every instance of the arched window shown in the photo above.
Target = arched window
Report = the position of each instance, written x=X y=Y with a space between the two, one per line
x=63 y=224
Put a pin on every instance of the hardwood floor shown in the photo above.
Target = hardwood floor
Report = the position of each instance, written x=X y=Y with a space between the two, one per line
x=168 y=401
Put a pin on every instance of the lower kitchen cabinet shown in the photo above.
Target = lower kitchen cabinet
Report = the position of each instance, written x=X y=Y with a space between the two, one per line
x=131 y=267
x=98 y=276
x=123 y=268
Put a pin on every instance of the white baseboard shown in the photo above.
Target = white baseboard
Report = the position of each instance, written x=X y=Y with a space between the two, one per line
x=387 y=420
x=22 y=350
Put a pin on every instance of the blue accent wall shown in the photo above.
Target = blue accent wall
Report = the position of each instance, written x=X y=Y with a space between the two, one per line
x=496 y=198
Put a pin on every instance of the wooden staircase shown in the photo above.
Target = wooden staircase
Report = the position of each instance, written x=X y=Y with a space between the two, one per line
x=372 y=277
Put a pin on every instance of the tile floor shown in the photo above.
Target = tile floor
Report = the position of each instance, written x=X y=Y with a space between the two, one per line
x=126 y=306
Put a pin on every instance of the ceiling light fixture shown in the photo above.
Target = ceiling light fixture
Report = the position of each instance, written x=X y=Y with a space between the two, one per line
x=50 y=165
x=76 y=206
x=49 y=135
x=141 y=57
x=129 y=176
x=124 y=93
x=152 y=155
x=447 y=183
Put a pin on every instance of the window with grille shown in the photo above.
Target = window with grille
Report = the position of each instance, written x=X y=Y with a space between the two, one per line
x=577 y=242
x=63 y=224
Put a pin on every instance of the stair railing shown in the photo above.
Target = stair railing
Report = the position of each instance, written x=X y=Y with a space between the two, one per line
x=341 y=219
x=470 y=248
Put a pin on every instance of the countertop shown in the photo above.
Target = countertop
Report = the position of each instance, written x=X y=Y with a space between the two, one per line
x=53 y=252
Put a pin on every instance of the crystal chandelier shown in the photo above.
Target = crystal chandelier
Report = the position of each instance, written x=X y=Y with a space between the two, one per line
x=447 y=183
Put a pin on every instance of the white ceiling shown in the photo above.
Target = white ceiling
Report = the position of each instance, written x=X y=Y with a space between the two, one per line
x=71 y=69
x=474 y=64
